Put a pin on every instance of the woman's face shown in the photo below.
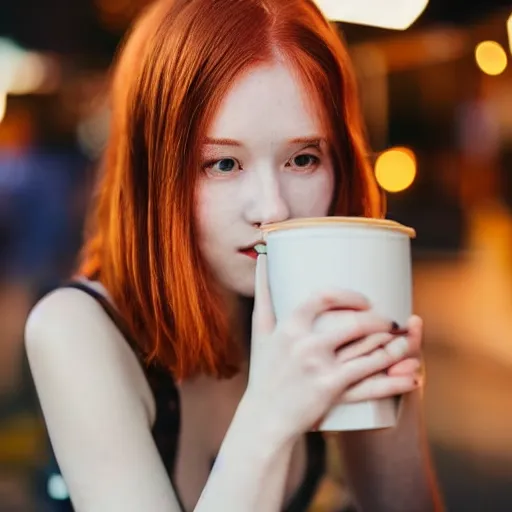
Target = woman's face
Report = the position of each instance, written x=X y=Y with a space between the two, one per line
x=265 y=159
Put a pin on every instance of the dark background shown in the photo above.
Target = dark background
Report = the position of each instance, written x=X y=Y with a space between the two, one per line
x=72 y=27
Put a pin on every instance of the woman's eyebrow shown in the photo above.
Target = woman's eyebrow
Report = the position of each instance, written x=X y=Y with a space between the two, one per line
x=306 y=141
x=309 y=141
x=222 y=142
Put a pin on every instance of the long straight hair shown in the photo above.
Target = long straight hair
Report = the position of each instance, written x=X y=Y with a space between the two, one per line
x=175 y=67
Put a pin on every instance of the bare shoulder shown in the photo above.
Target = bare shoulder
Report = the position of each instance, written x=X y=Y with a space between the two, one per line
x=62 y=311
x=92 y=389
x=68 y=332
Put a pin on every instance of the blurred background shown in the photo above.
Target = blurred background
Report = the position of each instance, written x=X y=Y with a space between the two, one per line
x=437 y=99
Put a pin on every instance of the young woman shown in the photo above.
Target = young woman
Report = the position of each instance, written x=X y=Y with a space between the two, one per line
x=226 y=115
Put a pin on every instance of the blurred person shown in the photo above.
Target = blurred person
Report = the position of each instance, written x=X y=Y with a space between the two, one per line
x=226 y=116
x=35 y=190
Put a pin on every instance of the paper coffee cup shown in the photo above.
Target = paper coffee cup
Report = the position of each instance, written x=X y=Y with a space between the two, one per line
x=370 y=256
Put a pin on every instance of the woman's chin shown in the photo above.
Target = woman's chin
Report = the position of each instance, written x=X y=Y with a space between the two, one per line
x=247 y=291
x=243 y=287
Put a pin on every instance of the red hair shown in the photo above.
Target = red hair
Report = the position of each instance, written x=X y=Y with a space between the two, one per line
x=176 y=66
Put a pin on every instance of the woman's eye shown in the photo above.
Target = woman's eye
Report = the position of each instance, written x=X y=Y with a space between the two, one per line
x=222 y=166
x=305 y=161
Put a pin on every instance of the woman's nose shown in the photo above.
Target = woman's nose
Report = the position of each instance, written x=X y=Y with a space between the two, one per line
x=268 y=203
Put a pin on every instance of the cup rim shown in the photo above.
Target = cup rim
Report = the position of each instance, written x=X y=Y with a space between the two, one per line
x=368 y=222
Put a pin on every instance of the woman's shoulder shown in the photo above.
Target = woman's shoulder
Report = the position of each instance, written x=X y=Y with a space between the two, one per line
x=67 y=319
x=50 y=309
x=91 y=388
x=69 y=332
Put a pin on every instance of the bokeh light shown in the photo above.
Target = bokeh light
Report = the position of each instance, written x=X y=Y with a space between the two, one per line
x=491 y=57
x=395 y=169
x=26 y=72
x=392 y=14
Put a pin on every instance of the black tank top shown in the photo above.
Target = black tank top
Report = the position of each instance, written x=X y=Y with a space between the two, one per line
x=166 y=429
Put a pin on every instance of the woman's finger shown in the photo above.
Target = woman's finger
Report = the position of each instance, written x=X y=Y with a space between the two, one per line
x=364 y=346
x=407 y=366
x=415 y=335
x=263 y=319
x=306 y=314
x=340 y=328
x=380 y=386
x=360 y=368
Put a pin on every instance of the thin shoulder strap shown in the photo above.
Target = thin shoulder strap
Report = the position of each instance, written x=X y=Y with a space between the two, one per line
x=167 y=423
x=109 y=309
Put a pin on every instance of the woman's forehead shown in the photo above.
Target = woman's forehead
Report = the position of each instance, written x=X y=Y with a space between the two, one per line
x=268 y=100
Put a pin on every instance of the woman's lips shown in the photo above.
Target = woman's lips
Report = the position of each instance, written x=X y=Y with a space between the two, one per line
x=255 y=250
x=251 y=252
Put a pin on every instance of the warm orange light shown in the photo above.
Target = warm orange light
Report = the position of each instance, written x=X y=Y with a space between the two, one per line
x=491 y=57
x=395 y=169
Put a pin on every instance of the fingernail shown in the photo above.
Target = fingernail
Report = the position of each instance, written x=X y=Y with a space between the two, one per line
x=398 y=348
x=397 y=330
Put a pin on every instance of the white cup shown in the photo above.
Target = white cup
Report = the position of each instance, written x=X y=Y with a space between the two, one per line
x=370 y=256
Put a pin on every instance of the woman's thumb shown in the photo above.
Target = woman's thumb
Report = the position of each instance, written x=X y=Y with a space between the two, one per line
x=263 y=320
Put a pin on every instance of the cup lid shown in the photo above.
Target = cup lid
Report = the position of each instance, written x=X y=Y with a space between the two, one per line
x=332 y=221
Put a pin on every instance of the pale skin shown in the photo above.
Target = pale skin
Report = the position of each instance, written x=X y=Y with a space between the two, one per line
x=99 y=408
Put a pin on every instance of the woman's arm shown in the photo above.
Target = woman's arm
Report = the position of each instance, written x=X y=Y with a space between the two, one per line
x=98 y=409
x=251 y=468
x=390 y=469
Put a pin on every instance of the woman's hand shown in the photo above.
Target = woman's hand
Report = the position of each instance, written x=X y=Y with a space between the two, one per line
x=400 y=378
x=298 y=373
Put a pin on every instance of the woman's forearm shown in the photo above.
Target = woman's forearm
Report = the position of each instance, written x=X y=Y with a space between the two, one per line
x=251 y=468
x=390 y=470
